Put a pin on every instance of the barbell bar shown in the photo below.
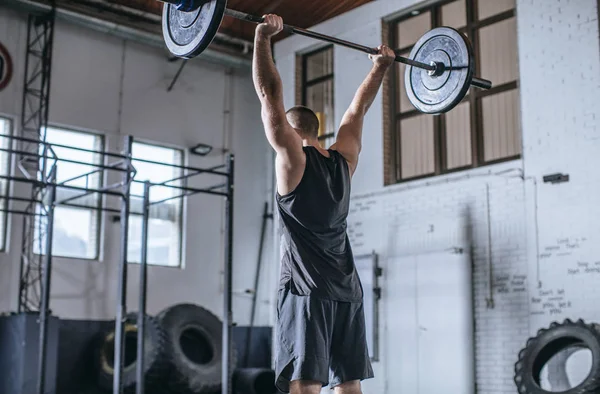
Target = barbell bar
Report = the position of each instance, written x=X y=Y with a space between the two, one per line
x=189 y=26
x=478 y=82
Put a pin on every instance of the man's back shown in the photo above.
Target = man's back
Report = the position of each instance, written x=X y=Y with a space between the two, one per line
x=316 y=254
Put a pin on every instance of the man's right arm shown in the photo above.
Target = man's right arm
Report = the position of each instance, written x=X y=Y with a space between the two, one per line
x=267 y=82
x=290 y=159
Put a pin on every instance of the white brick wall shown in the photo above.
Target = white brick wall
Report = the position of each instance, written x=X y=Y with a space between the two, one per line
x=559 y=65
x=420 y=218
x=561 y=135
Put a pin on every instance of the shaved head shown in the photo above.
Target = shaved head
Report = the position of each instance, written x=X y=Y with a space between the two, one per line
x=304 y=120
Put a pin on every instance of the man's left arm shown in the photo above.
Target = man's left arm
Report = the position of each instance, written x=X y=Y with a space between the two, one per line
x=349 y=138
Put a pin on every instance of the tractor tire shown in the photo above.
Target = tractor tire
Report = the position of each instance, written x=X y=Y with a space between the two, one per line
x=195 y=343
x=546 y=344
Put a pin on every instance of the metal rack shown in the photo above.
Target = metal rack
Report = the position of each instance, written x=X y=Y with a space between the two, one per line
x=224 y=190
x=37 y=163
x=48 y=186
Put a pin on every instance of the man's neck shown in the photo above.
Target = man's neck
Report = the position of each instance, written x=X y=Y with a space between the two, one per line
x=315 y=144
x=311 y=142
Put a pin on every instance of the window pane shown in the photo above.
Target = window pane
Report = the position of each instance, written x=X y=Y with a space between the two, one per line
x=402 y=102
x=66 y=170
x=498 y=52
x=488 y=8
x=164 y=231
x=74 y=233
x=454 y=14
x=416 y=146
x=155 y=173
x=76 y=230
x=319 y=98
x=410 y=30
x=501 y=125
x=5 y=125
x=163 y=242
x=319 y=64
x=458 y=136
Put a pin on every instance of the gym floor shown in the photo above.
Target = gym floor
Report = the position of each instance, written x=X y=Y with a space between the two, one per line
x=481 y=221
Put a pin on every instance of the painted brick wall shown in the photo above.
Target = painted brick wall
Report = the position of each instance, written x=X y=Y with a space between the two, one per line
x=452 y=211
x=560 y=89
x=545 y=258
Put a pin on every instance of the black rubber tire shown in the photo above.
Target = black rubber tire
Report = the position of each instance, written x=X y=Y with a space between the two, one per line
x=156 y=364
x=254 y=381
x=550 y=341
x=196 y=363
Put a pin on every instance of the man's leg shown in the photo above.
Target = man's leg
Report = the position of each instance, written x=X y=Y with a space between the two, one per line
x=304 y=327
x=350 y=361
x=352 y=387
x=305 y=387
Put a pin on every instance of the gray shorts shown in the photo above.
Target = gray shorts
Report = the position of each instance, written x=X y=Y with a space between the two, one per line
x=319 y=340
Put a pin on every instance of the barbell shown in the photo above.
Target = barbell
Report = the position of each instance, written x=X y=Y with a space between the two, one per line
x=439 y=72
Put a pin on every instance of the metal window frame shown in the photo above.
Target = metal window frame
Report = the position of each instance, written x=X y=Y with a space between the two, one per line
x=474 y=96
x=306 y=83
x=180 y=176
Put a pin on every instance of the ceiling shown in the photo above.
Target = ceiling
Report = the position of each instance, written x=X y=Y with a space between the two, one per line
x=141 y=20
x=305 y=13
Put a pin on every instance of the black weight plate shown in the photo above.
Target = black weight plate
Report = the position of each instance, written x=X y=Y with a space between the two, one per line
x=433 y=94
x=187 y=34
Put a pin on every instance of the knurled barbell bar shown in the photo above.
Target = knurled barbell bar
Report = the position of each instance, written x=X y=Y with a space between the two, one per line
x=440 y=67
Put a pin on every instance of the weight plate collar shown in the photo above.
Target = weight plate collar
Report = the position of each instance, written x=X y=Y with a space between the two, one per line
x=187 y=34
x=438 y=94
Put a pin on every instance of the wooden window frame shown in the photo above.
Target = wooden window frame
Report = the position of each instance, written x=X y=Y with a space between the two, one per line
x=474 y=97
x=305 y=83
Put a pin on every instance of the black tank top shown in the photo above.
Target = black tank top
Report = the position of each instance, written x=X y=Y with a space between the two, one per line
x=316 y=255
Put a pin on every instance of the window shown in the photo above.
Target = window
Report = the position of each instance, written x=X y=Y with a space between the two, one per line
x=156 y=164
x=76 y=229
x=317 y=90
x=5 y=130
x=484 y=128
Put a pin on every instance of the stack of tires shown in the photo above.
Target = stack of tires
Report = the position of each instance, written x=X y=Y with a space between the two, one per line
x=183 y=348
x=558 y=337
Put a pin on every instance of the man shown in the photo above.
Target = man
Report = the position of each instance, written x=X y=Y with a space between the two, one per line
x=320 y=320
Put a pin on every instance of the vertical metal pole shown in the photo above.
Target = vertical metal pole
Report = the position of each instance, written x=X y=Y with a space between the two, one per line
x=265 y=217
x=141 y=321
x=227 y=318
x=122 y=285
x=46 y=271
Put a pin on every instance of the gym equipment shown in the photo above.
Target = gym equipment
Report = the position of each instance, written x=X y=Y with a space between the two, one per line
x=156 y=365
x=195 y=337
x=254 y=381
x=442 y=89
x=548 y=342
x=6 y=67
x=441 y=62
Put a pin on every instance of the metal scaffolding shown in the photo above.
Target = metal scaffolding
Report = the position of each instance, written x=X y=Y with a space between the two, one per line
x=34 y=120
